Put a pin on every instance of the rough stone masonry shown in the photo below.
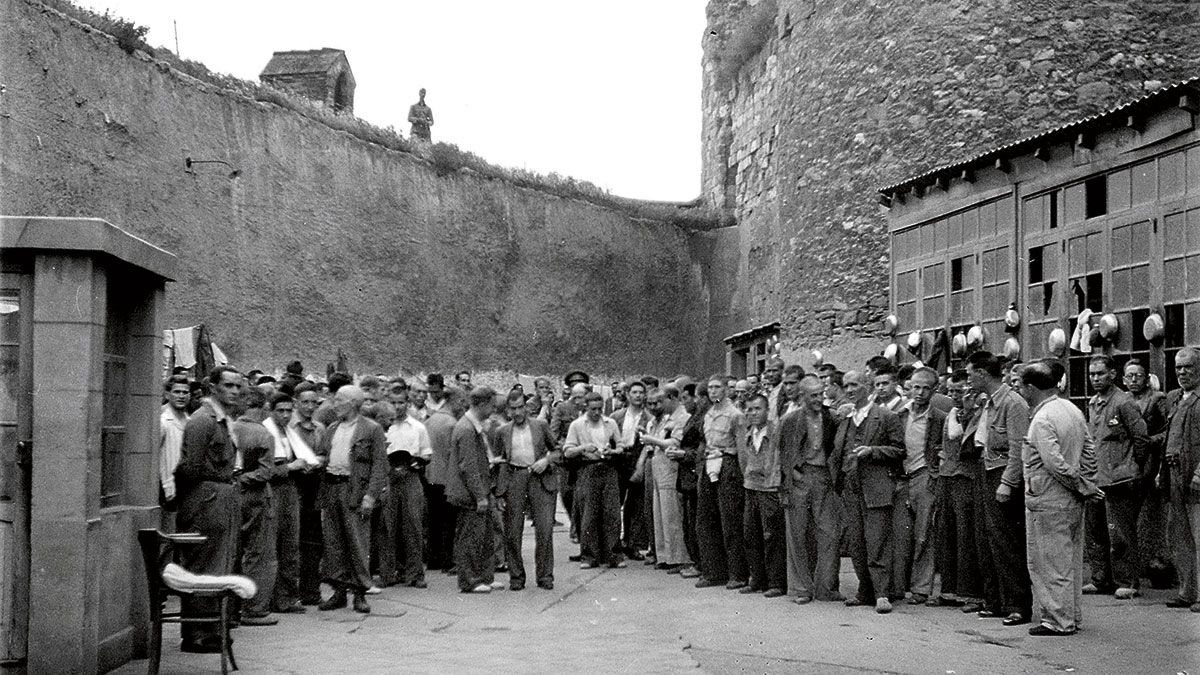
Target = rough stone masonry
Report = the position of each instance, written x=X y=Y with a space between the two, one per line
x=810 y=107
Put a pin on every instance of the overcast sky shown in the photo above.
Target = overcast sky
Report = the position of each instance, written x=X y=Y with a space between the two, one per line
x=606 y=91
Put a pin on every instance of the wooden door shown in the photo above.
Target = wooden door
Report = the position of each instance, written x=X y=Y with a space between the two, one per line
x=16 y=421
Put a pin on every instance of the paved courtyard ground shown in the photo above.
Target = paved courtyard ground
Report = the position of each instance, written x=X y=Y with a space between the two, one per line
x=638 y=620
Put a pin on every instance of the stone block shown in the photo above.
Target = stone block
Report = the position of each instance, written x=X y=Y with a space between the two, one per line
x=58 y=583
x=67 y=355
x=65 y=289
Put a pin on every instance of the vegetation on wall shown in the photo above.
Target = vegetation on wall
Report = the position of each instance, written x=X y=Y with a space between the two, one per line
x=752 y=32
x=446 y=158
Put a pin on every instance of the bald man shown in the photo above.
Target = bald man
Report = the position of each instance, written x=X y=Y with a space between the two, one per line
x=354 y=450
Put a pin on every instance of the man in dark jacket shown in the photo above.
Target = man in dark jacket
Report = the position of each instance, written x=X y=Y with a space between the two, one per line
x=868 y=453
x=208 y=499
x=469 y=488
x=528 y=472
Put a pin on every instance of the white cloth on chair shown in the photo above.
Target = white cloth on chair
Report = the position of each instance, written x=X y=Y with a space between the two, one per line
x=179 y=579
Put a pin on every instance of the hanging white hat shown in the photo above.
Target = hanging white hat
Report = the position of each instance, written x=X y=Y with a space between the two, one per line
x=1152 y=327
x=818 y=358
x=1109 y=327
x=1012 y=318
x=890 y=352
x=975 y=336
x=1057 y=342
x=1012 y=349
x=914 y=340
x=890 y=324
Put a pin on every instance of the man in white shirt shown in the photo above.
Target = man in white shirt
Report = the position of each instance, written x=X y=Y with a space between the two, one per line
x=528 y=473
x=594 y=440
x=408 y=452
x=172 y=419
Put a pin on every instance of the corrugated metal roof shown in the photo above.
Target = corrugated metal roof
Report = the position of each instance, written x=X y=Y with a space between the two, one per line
x=766 y=327
x=1030 y=143
x=302 y=61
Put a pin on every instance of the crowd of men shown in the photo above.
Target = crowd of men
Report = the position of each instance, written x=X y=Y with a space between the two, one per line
x=975 y=489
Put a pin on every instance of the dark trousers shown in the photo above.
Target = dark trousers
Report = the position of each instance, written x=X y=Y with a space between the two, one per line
x=731 y=499
x=1112 y=536
x=869 y=535
x=598 y=494
x=474 y=548
x=1003 y=542
x=312 y=543
x=709 y=538
x=524 y=487
x=766 y=550
x=287 y=542
x=214 y=510
x=442 y=519
x=957 y=559
x=634 y=536
x=913 y=526
x=401 y=554
x=813 y=533
x=257 y=558
x=688 y=499
x=346 y=562
x=568 y=499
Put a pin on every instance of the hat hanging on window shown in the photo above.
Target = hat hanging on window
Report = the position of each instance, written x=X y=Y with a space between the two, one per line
x=975 y=337
x=1152 y=327
x=1057 y=342
x=1012 y=319
x=958 y=344
x=1012 y=349
x=914 y=341
x=890 y=352
x=1109 y=327
x=890 y=324
x=818 y=359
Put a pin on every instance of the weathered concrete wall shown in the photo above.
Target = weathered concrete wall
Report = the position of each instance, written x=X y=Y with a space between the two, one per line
x=804 y=120
x=324 y=240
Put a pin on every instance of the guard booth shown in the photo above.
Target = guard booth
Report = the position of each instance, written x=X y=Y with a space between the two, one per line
x=81 y=305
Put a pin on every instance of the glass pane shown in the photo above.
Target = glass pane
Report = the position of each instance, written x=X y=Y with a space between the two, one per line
x=1120 y=288
x=1193 y=276
x=1174 y=276
x=1095 y=252
x=1005 y=217
x=934 y=310
x=10 y=315
x=1144 y=190
x=972 y=218
x=1193 y=231
x=1193 y=170
x=10 y=382
x=1139 y=242
x=906 y=314
x=1118 y=191
x=1077 y=255
x=1170 y=175
x=1120 y=245
x=1139 y=287
x=939 y=235
x=1073 y=203
x=1174 y=233
x=1033 y=214
x=954 y=223
x=1000 y=259
x=1192 y=314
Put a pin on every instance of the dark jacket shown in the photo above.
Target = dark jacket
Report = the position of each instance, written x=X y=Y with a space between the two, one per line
x=468 y=476
x=1187 y=464
x=933 y=436
x=369 y=466
x=1119 y=432
x=207 y=453
x=627 y=460
x=793 y=441
x=875 y=474
x=692 y=444
x=560 y=419
x=543 y=446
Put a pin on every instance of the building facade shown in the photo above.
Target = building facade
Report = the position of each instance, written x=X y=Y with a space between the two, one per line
x=1041 y=244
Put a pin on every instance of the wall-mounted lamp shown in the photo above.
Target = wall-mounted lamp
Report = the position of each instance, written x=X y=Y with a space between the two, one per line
x=188 y=163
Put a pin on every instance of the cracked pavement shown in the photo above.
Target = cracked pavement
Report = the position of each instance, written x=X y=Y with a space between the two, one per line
x=645 y=621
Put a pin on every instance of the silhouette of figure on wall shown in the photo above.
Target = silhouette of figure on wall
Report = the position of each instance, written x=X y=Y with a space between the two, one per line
x=421 y=118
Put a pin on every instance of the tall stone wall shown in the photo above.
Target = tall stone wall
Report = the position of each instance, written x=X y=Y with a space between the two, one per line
x=325 y=241
x=810 y=107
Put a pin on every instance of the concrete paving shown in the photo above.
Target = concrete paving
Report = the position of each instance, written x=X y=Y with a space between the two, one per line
x=638 y=620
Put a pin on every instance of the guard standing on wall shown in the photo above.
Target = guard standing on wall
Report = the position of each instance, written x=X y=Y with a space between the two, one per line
x=421 y=118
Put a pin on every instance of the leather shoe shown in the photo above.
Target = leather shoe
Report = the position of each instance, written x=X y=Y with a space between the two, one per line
x=1015 y=619
x=258 y=619
x=1179 y=603
x=735 y=585
x=335 y=601
x=747 y=590
x=418 y=583
x=574 y=558
x=310 y=600
x=706 y=583
x=856 y=602
x=546 y=585
x=689 y=572
x=988 y=614
x=360 y=604
x=802 y=599
x=515 y=586
x=1042 y=630
x=774 y=593
x=971 y=607
x=291 y=609
x=918 y=599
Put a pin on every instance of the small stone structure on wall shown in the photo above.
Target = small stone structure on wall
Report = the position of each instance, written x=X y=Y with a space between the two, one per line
x=322 y=75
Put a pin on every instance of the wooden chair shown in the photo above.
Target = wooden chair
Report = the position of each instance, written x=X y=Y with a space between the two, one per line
x=159 y=549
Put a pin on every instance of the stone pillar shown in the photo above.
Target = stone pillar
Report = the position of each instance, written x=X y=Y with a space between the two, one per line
x=68 y=338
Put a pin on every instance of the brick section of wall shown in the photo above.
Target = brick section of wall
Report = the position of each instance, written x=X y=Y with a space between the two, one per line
x=325 y=240
x=847 y=96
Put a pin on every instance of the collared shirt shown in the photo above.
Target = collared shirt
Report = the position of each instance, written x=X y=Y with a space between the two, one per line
x=521 y=453
x=603 y=434
x=760 y=460
x=419 y=414
x=860 y=414
x=224 y=419
x=432 y=406
x=339 y=452
x=409 y=435
x=479 y=429
x=914 y=438
x=720 y=423
x=170 y=446
x=629 y=425
x=814 y=450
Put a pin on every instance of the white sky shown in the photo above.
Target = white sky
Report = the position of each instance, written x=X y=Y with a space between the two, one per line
x=606 y=91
